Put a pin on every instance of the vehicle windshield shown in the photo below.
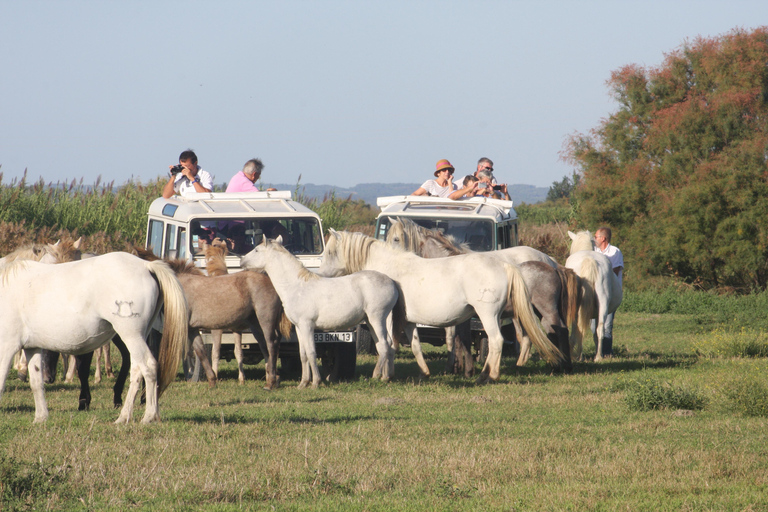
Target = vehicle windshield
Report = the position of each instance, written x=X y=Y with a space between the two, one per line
x=475 y=232
x=300 y=235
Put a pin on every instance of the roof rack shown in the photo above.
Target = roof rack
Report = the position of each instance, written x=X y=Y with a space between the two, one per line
x=501 y=204
x=233 y=196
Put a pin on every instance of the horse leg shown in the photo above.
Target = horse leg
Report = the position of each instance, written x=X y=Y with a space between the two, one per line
x=378 y=326
x=71 y=366
x=34 y=357
x=309 y=368
x=83 y=363
x=525 y=343
x=199 y=348
x=492 y=366
x=239 y=357
x=6 y=363
x=107 y=349
x=418 y=354
x=126 y=413
x=305 y=370
x=21 y=366
x=269 y=351
x=50 y=360
x=557 y=333
x=598 y=336
x=216 y=350
x=97 y=375
x=450 y=335
x=125 y=367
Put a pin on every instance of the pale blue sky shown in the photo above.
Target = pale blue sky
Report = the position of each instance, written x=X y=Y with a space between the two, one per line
x=340 y=92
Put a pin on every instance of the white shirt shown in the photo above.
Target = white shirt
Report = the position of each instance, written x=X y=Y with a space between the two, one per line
x=617 y=259
x=434 y=189
x=182 y=186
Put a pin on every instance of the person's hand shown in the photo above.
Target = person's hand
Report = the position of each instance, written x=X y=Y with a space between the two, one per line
x=186 y=170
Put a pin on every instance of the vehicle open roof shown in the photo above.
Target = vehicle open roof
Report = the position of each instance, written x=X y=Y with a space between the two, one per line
x=427 y=206
x=222 y=204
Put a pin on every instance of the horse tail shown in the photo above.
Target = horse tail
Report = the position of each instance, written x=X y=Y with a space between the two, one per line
x=517 y=295
x=588 y=274
x=570 y=293
x=285 y=326
x=174 y=342
x=399 y=319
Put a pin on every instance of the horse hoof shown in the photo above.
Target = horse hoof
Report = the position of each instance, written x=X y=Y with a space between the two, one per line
x=83 y=406
x=302 y=385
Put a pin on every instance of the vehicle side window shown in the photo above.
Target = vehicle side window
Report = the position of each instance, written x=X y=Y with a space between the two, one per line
x=182 y=243
x=170 y=242
x=155 y=237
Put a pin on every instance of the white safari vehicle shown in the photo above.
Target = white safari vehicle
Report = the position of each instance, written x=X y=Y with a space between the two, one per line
x=177 y=225
x=482 y=223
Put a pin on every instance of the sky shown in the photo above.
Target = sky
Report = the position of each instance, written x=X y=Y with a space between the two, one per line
x=327 y=92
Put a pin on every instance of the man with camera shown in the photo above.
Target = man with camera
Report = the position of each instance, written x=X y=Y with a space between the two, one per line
x=187 y=177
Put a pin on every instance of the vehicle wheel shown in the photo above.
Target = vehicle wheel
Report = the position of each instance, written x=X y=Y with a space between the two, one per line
x=290 y=367
x=365 y=344
x=339 y=361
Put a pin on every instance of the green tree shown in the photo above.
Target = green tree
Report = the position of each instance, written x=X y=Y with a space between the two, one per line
x=563 y=189
x=679 y=171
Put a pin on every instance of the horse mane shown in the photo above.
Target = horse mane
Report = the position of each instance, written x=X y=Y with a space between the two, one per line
x=27 y=252
x=304 y=273
x=180 y=266
x=446 y=243
x=410 y=233
x=10 y=269
x=354 y=247
x=141 y=252
x=65 y=250
x=583 y=242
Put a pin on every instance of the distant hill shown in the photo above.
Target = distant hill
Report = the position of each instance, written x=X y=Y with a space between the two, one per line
x=368 y=192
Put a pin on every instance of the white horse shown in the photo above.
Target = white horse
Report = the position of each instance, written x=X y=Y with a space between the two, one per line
x=553 y=288
x=311 y=301
x=76 y=307
x=444 y=291
x=601 y=288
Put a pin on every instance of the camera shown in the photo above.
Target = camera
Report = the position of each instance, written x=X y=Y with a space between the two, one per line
x=497 y=187
x=176 y=169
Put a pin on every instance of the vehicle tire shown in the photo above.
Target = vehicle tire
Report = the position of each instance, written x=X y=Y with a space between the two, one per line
x=365 y=344
x=339 y=361
x=290 y=367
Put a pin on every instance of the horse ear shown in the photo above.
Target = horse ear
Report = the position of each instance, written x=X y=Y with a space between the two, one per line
x=572 y=235
x=57 y=243
x=279 y=240
x=76 y=245
x=334 y=233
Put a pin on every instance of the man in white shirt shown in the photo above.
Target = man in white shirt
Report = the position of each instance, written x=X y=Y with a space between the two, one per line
x=603 y=246
x=187 y=177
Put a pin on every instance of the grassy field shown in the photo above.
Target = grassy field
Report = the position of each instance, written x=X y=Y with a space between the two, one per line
x=533 y=441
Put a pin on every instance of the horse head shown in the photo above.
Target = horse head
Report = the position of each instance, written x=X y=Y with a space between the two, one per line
x=581 y=241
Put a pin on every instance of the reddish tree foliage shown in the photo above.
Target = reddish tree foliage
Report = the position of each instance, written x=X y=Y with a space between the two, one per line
x=680 y=170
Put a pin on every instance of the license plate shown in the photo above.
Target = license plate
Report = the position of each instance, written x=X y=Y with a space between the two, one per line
x=332 y=337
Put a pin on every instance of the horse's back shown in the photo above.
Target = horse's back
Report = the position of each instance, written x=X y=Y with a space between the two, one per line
x=521 y=254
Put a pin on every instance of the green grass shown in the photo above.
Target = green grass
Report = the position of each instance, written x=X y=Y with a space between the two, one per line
x=532 y=441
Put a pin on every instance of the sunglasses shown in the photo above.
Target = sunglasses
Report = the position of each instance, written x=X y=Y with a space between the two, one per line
x=488 y=169
x=449 y=170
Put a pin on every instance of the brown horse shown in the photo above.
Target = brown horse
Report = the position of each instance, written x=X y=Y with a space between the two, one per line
x=216 y=265
x=245 y=300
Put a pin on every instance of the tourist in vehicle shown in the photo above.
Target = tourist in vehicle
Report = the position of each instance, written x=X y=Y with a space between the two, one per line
x=244 y=181
x=187 y=177
x=469 y=187
x=484 y=164
x=603 y=246
x=489 y=188
x=442 y=185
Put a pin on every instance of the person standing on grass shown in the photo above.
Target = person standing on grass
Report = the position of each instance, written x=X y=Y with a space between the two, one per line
x=603 y=246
